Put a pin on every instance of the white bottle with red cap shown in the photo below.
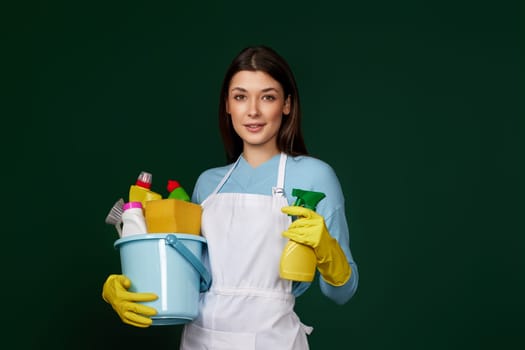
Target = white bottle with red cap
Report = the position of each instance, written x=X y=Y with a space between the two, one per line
x=133 y=221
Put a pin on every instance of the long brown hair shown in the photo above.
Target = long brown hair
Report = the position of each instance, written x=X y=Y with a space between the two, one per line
x=262 y=58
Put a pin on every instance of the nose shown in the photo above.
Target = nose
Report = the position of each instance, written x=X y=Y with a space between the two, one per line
x=253 y=108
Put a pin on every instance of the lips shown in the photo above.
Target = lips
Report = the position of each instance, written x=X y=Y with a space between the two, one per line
x=254 y=127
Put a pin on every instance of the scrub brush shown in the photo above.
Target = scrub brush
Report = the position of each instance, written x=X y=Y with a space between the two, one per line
x=115 y=216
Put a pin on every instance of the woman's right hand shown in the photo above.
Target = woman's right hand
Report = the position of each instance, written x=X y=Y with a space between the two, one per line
x=115 y=292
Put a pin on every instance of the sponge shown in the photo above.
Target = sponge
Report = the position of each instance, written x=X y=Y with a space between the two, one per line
x=173 y=216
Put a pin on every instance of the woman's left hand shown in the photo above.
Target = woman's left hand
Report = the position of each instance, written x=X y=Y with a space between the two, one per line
x=310 y=229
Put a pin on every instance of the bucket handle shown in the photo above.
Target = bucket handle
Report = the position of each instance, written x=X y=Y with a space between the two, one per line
x=176 y=244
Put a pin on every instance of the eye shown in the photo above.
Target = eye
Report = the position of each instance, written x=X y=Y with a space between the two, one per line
x=239 y=97
x=269 y=98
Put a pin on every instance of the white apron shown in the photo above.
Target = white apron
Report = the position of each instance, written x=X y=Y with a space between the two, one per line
x=248 y=305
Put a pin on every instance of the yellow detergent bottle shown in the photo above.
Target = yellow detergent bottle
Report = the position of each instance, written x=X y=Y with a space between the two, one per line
x=298 y=261
x=141 y=190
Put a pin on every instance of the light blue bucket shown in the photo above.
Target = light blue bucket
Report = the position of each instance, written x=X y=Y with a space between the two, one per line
x=170 y=266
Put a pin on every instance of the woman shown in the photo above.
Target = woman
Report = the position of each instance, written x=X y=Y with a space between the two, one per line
x=246 y=218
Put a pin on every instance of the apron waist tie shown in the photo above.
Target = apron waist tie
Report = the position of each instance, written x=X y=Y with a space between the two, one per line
x=256 y=292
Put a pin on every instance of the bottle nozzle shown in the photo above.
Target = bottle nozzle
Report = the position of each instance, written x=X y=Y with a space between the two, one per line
x=307 y=199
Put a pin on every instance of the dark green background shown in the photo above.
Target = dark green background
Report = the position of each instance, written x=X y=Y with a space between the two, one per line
x=418 y=107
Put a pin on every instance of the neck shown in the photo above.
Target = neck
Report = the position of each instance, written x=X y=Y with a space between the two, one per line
x=255 y=156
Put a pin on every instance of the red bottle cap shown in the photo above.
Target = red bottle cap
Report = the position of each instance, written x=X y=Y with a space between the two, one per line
x=144 y=180
x=172 y=185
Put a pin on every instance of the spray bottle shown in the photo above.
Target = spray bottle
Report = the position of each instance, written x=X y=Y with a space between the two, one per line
x=141 y=190
x=176 y=191
x=298 y=261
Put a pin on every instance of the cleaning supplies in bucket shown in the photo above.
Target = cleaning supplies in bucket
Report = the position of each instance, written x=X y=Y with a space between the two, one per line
x=168 y=263
x=170 y=266
x=173 y=214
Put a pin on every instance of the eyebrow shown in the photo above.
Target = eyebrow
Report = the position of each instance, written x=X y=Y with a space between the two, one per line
x=263 y=90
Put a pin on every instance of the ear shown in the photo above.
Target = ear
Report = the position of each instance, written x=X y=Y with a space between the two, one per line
x=227 y=107
x=287 y=105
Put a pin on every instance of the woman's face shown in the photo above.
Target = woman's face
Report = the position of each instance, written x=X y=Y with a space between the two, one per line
x=256 y=103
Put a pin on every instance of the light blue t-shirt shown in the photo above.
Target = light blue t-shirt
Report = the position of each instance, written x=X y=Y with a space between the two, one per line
x=302 y=172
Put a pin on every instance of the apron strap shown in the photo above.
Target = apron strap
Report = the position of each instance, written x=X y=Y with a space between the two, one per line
x=276 y=191
x=279 y=189
x=225 y=178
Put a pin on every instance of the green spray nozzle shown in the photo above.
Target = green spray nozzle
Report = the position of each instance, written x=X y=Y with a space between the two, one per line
x=307 y=199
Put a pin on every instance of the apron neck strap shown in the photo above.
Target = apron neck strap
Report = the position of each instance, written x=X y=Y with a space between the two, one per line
x=282 y=170
x=225 y=178
x=277 y=190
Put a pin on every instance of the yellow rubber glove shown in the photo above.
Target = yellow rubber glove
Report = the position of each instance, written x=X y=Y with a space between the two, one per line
x=310 y=229
x=115 y=292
